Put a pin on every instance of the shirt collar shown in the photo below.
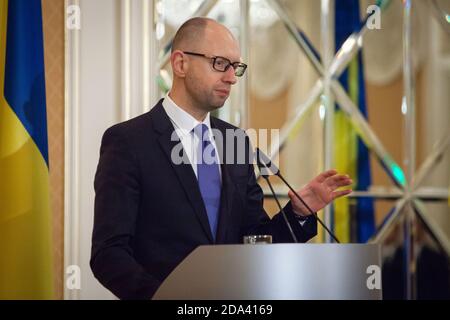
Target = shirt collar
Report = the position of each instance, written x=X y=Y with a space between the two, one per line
x=183 y=121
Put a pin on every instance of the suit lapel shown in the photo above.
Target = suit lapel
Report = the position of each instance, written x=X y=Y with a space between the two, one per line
x=184 y=171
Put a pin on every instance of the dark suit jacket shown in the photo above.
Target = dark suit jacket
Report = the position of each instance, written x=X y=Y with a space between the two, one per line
x=149 y=213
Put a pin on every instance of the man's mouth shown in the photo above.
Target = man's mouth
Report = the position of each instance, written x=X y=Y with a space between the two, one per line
x=223 y=92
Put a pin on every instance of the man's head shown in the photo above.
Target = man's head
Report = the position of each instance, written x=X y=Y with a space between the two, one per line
x=197 y=82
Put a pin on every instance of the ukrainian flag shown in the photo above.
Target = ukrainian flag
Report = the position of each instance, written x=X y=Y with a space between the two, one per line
x=354 y=220
x=25 y=220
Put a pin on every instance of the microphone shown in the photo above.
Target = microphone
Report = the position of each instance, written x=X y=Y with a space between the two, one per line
x=266 y=165
x=265 y=175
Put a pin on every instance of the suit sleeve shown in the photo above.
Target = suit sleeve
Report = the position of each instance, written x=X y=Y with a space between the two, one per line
x=117 y=196
x=258 y=222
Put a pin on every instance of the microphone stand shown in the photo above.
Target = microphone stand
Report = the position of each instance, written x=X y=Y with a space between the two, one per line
x=265 y=161
x=281 y=208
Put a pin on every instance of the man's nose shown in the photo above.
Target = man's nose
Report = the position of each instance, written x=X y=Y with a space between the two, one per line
x=229 y=76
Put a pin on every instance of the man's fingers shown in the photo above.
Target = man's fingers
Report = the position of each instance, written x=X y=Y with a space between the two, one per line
x=344 y=181
x=326 y=174
x=338 y=177
x=341 y=193
x=339 y=181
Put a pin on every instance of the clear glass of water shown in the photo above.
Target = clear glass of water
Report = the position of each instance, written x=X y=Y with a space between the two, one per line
x=258 y=239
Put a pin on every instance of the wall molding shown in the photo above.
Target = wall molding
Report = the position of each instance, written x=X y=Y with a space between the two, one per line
x=109 y=72
x=71 y=151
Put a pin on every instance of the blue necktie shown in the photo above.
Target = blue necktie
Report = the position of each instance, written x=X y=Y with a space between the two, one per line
x=208 y=175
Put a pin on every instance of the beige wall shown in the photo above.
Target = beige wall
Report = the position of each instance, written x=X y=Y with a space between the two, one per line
x=383 y=105
x=53 y=22
x=269 y=114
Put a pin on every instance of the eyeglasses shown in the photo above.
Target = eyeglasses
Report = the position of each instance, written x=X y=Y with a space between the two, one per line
x=222 y=64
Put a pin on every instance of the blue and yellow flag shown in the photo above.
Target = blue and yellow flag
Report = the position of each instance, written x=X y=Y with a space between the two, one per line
x=25 y=220
x=353 y=219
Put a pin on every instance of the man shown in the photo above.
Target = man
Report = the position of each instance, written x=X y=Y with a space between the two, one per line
x=152 y=211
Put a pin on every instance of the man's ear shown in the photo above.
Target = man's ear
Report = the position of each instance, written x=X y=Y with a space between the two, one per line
x=179 y=63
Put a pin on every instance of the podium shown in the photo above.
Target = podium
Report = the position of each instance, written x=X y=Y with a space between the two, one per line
x=276 y=271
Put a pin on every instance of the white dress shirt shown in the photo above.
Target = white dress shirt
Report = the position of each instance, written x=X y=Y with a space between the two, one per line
x=184 y=124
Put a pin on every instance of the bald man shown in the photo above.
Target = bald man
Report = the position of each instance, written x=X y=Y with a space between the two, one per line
x=165 y=186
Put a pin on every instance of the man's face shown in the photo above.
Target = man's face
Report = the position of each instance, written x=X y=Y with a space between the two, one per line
x=207 y=87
